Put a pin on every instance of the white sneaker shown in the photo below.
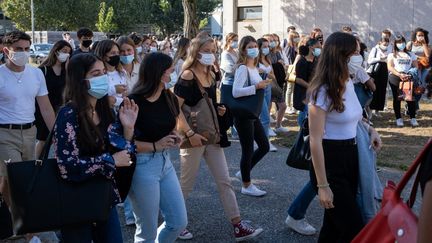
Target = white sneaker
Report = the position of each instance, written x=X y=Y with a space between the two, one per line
x=271 y=133
x=272 y=147
x=300 y=226
x=414 y=122
x=399 y=122
x=252 y=190
x=291 y=111
x=238 y=175
x=284 y=119
x=281 y=129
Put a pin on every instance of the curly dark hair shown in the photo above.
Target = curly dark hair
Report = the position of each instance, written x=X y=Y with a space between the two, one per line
x=15 y=36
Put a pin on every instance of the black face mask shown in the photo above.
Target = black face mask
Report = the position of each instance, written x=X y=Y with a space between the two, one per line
x=114 y=60
x=86 y=43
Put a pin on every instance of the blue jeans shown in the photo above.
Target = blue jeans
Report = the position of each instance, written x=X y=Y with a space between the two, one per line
x=155 y=186
x=298 y=207
x=302 y=115
x=128 y=212
x=103 y=232
x=265 y=113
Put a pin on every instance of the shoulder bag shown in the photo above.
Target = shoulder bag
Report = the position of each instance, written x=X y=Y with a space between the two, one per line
x=291 y=76
x=395 y=222
x=299 y=156
x=42 y=201
x=406 y=90
x=364 y=95
x=245 y=107
x=202 y=119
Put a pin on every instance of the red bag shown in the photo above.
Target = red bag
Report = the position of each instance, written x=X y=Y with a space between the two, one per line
x=395 y=222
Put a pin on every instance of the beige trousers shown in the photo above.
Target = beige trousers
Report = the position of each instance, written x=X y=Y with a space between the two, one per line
x=215 y=158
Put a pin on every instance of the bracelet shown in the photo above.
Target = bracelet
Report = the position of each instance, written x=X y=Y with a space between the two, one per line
x=154 y=147
x=191 y=135
x=323 y=185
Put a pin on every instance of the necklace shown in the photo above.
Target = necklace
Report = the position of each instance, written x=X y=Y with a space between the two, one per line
x=17 y=77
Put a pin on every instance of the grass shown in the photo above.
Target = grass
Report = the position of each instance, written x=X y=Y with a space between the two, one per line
x=400 y=145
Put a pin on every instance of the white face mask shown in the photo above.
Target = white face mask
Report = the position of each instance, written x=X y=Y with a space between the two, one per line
x=355 y=63
x=207 y=59
x=19 y=58
x=62 y=57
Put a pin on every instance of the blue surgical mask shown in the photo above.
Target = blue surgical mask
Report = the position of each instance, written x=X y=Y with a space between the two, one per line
x=98 y=86
x=172 y=82
x=1 y=56
x=265 y=51
x=316 y=52
x=153 y=49
x=234 y=44
x=401 y=46
x=127 y=59
x=252 y=52
x=272 y=44
x=139 y=49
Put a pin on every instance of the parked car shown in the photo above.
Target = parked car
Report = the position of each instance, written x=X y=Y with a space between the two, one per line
x=38 y=52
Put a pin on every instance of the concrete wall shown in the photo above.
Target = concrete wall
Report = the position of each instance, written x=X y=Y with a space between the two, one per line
x=367 y=17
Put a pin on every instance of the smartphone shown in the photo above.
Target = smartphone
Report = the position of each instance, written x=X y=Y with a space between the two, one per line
x=264 y=75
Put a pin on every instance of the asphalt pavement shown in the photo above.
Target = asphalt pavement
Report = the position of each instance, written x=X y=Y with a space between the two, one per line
x=207 y=221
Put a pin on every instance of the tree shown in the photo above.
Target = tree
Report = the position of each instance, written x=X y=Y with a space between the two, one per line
x=190 y=25
x=105 y=19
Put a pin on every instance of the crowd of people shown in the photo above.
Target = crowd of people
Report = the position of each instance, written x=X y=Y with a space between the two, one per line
x=110 y=95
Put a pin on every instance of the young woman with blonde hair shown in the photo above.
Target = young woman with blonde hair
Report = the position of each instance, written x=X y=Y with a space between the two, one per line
x=197 y=73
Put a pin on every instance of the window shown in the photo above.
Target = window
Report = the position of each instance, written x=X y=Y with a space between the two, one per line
x=248 y=13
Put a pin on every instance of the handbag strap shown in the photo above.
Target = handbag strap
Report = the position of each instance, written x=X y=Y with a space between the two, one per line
x=412 y=169
x=207 y=99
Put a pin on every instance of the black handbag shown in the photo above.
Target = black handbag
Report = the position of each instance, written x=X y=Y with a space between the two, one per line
x=299 y=156
x=245 y=107
x=42 y=201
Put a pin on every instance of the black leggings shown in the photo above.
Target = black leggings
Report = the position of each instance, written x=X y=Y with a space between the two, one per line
x=397 y=102
x=250 y=130
x=343 y=222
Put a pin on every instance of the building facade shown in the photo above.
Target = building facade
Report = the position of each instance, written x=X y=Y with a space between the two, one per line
x=366 y=17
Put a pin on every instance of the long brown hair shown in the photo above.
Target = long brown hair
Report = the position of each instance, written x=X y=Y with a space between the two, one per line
x=52 y=56
x=192 y=57
x=242 y=60
x=182 y=49
x=228 y=38
x=103 y=48
x=331 y=71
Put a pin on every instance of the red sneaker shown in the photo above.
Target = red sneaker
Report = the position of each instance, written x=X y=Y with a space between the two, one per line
x=244 y=231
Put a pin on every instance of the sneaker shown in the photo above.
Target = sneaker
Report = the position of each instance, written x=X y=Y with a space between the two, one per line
x=234 y=137
x=244 y=231
x=285 y=119
x=300 y=226
x=291 y=111
x=272 y=148
x=414 y=122
x=399 y=122
x=281 y=129
x=271 y=133
x=252 y=190
x=185 y=235
x=238 y=175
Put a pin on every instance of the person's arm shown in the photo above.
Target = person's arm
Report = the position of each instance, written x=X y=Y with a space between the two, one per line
x=414 y=63
x=391 y=66
x=426 y=49
x=73 y=166
x=46 y=110
x=300 y=70
x=317 y=118
x=365 y=79
x=424 y=234
x=240 y=78
x=373 y=57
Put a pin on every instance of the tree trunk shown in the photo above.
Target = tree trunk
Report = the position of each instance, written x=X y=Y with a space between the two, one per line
x=190 y=26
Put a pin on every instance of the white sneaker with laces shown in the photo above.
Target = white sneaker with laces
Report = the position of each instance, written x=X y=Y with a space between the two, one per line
x=271 y=133
x=272 y=148
x=399 y=122
x=414 y=122
x=252 y=190
x=300 y=226
x=281 y=129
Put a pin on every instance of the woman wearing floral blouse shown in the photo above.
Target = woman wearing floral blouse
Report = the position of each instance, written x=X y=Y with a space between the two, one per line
x=81 y=141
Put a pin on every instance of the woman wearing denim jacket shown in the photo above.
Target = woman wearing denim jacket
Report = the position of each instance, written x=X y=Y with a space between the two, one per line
x=155 y=185
x=81 y=144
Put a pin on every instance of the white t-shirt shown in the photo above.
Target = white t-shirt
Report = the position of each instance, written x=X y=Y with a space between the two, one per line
x=241 y=86
x=115 y=78
x=340 y=126
x=17 y=98
x=403 y=61
x=132 y=79
x=267 y=69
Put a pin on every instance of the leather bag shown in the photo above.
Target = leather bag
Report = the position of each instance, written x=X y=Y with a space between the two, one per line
x=42 y=201
x=299 y=156
x=395 y=222
x=202 y=119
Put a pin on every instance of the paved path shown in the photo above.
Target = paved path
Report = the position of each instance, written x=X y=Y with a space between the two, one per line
x=282 y=183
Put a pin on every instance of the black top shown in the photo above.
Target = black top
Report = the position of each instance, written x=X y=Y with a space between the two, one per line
x=78 y=51
x=190 y=92
x=55 y=85
x=425 y=171
x=155 y=119
x=304 y=70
